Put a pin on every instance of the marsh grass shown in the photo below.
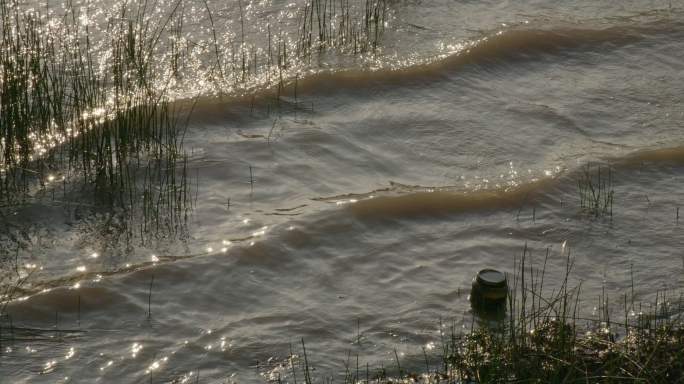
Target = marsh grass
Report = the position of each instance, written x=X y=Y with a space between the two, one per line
x=89 y=119
x=543 y=338
x=78 y=130
x=95 y=122
x=87 y=116
x=326 y=24
x=595 y=188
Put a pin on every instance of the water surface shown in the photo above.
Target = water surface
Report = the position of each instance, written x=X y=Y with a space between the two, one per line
x=354 y=214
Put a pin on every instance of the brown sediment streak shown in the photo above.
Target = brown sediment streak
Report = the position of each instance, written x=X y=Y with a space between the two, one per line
x=662 y=155
x=496 y=47
x=407 y=201
x=40 y=286
x=67 y=281
x=429 y=202
x=521 y=42
x=415 y=201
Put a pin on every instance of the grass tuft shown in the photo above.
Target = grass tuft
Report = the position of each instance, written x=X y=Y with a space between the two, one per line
x=595 y=187
x=544 y=339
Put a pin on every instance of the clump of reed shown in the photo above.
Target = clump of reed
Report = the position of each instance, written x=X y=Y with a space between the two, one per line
x=595 y=187
x=543 y=338
x=103 y=127
x=87 y=111
x=326 y=24
x=337 y=26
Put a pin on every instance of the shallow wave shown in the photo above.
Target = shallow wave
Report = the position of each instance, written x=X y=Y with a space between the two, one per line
x=525 y=42
x=402 y=201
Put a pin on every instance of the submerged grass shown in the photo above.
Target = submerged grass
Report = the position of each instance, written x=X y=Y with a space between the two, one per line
x=326 y=24
x=64 y=119
x=96 y=121
x=89 y=119
x=595 y=187
x=98 y=112
x=543 y=338
x=78 y=131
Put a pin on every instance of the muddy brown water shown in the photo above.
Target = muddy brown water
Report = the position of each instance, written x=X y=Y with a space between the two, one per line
x=358 y=223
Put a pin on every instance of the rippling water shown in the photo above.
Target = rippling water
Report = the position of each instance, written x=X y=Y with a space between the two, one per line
x=355 y=212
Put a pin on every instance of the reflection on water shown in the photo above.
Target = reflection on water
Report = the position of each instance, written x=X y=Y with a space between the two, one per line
x=348 y=198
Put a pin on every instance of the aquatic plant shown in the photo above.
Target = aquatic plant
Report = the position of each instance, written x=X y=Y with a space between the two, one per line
x=99 y=118
x=66 y=121
x=543 y=338
x=88 y=115
x=328 y=24
x=595 y=187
